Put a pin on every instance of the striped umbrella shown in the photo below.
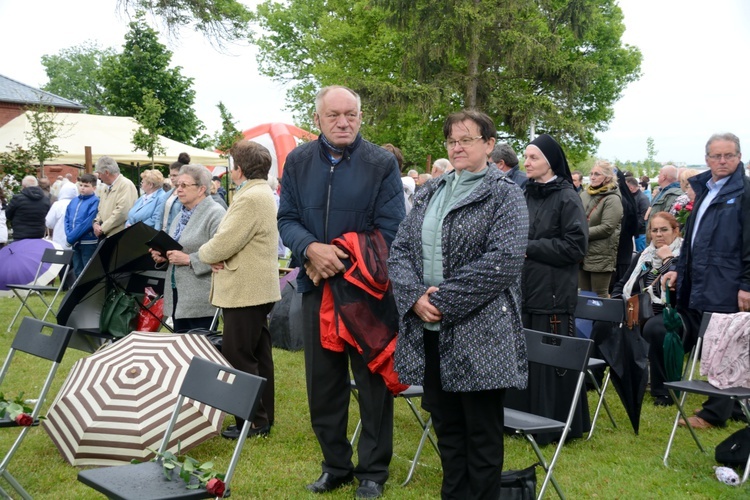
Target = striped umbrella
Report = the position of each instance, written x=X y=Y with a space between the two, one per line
x=115 y=404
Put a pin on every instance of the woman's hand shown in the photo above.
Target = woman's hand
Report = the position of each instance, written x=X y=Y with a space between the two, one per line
x=178 y=258
x=156 y=255
x=217 y=267
x=425 y=310
x=664 y=252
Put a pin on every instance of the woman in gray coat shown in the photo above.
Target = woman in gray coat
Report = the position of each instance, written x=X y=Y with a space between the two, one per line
x=456 y=267
x=192 y=227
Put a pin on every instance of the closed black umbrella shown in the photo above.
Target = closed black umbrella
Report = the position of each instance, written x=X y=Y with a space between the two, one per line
x=626 y=352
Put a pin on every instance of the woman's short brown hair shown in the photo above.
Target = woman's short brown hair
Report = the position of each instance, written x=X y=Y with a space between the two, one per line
x=252 y=158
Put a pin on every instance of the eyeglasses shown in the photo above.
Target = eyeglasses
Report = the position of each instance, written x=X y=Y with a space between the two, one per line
x=661 y=230
x=726 y=156
x=464 y=142
x=183 y=185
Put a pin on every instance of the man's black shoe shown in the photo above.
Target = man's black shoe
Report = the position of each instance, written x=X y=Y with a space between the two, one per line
x=233 y=432
x=328 y=482
x=369 y=489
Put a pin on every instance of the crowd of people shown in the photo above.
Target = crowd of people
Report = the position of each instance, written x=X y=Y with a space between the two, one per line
x=477 y=250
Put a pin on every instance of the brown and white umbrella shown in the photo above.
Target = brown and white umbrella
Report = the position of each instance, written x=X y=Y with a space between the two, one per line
x=115 y=404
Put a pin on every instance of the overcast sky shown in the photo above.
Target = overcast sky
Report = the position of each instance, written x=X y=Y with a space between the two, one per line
x=695 y=81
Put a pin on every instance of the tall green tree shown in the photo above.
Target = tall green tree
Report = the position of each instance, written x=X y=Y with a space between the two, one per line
x=74 y=73
x=229 y=133
x=146 y=138
x=559 y=64
x=44 y=128
x=219 y=20
x=143 y=66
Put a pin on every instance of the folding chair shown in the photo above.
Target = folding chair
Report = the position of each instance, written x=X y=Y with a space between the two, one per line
x=414 y=391
x=43 y=340
x=567 y=353
x=599 y=309
x=689 y=385
x=37 y=288
x=226 y=389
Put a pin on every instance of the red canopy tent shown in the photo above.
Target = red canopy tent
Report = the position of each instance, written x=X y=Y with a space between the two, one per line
x=280 y=139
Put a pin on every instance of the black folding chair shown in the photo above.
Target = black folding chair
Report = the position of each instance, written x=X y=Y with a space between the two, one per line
x=567 y=353
x=599 y=309
x=43 y=340
x=227 y=389
x=37 y=288
x=689 y=385
x=414 y=391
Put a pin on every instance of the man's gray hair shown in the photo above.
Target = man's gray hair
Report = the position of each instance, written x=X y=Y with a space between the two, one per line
x=441 y=164
x=107 y=164
x=726 y=136
x=29 y=181
x=200 y=175
x=504 y=152
x=322 y=93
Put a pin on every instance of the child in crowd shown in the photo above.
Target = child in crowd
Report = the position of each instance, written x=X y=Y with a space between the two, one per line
x=79 y=218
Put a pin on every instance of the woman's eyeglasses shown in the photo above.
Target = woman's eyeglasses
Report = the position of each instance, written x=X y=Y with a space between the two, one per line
x=183 y=185
x=661 y=230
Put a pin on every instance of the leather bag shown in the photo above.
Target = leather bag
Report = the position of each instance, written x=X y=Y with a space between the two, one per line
x=638 y=308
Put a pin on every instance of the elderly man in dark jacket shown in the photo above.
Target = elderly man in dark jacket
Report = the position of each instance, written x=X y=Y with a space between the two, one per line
x=507 y=161
x=27 y=210
x=337 y=184
x=712 y=273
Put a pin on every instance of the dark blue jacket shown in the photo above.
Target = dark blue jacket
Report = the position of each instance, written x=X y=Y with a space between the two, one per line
x=79 y=217
x=517 y=176
x=712 y=271
x=320 y=202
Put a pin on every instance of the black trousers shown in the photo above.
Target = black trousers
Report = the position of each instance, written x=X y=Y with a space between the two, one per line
x=469 y=429
x=328 y=396
x=247 y=346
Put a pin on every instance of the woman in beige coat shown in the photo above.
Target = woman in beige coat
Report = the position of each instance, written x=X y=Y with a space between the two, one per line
x=245 y=281
x=602 y=205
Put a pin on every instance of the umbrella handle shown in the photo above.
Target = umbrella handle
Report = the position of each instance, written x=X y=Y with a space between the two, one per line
x=666 y=292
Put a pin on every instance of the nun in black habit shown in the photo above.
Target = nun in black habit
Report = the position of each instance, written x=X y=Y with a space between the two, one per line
x=558 y=241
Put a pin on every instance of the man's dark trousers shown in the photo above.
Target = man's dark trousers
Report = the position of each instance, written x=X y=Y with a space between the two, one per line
x=328 y=396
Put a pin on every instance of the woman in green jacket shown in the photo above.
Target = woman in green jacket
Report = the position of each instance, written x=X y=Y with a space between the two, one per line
x=603 y=208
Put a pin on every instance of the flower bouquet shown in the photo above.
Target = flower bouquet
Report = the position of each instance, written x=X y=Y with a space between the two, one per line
x=191 y=468
x=16 y=410
x=682 y=212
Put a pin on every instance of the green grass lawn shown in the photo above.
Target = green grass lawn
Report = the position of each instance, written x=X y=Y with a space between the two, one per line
x=614 y=464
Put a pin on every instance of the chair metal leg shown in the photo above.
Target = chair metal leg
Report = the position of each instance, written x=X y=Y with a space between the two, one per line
x=549 y=477
x=680 y=413
x=12 y=481
x=602 y=401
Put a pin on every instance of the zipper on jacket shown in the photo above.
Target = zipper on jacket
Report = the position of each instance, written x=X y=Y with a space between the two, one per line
x=328 y=205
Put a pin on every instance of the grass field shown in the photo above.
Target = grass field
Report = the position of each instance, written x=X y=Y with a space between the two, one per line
x=614 y=464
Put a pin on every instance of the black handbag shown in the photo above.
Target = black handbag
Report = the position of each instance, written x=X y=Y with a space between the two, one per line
x=518 y=484
x=734 y=450
x=216 y=338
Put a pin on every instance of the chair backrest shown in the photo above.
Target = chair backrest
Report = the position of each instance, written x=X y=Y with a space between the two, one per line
x=559 y=351
x=57 y=256
x=599 y=309
x=42 y=339
x=227 y=389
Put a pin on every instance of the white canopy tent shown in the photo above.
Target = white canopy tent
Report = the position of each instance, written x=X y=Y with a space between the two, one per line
x=106 y=135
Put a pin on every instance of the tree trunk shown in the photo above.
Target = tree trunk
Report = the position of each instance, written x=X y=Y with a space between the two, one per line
x=472 y=80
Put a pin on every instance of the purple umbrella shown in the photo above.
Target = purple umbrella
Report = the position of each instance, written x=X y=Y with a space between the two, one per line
x=21 y=260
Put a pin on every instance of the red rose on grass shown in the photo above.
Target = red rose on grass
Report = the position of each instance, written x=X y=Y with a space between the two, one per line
x=215 y=486
x=24 y=419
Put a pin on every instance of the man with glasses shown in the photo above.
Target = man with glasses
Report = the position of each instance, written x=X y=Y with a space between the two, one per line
x=669 y=190
x=117 y=198
x=712 y=273
x=338 y=184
